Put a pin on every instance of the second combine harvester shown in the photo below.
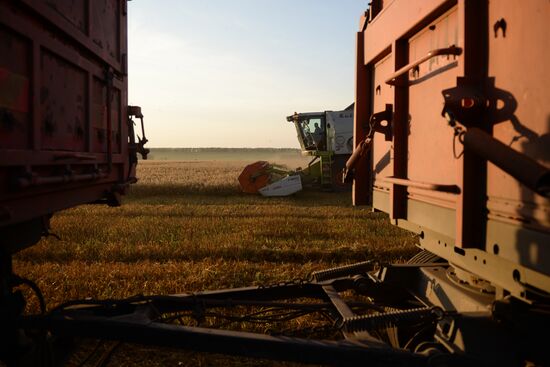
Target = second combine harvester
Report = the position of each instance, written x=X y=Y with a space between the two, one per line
x=325 y=136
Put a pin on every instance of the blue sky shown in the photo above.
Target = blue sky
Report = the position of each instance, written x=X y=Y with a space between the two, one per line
x=226 y=73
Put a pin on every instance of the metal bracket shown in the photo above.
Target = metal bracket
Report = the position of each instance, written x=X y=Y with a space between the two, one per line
x=464 y=103
x=375 y=126
x=376 y=120
x=135 y=111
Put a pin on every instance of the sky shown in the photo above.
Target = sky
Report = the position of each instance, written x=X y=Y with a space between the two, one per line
x=226 y=73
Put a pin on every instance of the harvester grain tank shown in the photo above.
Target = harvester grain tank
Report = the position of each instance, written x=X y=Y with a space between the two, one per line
x=327 y=137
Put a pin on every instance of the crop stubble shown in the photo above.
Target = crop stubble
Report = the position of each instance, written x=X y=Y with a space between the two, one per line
x=187 y=227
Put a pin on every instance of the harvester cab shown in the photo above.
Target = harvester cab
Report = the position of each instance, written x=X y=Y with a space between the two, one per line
x=328 y=138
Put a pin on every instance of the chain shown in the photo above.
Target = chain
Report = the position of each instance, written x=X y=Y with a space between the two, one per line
x=458 y=135
x=397 y=318
x=307 y=331
x=341 y=271
x=371 y=128
x=459 y=132
x=286 y=283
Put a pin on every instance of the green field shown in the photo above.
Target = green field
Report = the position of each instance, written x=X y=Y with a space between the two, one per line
x=187 y=227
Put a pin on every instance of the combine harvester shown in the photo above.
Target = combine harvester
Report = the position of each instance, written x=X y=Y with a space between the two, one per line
x=327 y=137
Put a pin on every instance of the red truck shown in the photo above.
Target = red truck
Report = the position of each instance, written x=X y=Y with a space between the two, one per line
x=65 y=134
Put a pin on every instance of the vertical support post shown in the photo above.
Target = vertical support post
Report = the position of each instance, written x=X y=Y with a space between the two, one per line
x=400 y=124
x=109 y=76
x=88 y=16
x=89 y=116
x=471 y=216
x=89 y=128
x=123 y=111
x=362 y=183
x=35 y=85
x=5 y=275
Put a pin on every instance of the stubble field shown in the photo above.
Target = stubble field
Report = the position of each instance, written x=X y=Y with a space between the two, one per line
x=186 y=227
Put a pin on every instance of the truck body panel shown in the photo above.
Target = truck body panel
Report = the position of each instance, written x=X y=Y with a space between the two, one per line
x=418 y=56
x=63 y=106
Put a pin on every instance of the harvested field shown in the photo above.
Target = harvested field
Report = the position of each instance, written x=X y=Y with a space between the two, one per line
x=187 y=227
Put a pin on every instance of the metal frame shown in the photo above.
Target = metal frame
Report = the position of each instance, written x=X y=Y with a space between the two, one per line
x=459 y=221
x=414 y=314
x=143 y=320
x=89 y=174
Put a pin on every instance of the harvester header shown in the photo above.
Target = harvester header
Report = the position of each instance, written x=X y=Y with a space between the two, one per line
x=269 y=180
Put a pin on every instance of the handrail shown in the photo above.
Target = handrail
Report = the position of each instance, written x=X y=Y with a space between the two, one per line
x=452 y=50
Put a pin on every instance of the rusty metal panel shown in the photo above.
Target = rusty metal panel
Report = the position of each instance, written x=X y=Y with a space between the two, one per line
x=63 y=106
x=382 y=94
x=426 y=149
x=395 y=20
x=361 y=192
x=76 y=12
x=100 y=122
x=429 y=133
x=521 y=89
x=482 y=64
x=97 y=25
x=15 y=76
x=105 y=17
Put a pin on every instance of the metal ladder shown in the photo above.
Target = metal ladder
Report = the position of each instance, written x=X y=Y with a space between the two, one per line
x=326 y=170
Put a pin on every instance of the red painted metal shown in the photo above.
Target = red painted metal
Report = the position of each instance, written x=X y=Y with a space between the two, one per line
x=484 y=64
x=255 y=176
x=362 y=111
x=63 y=106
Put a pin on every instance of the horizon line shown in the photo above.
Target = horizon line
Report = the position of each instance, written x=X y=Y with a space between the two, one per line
x=222 y=148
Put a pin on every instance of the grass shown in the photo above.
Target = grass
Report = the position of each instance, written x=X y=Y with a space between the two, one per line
x=187 y=227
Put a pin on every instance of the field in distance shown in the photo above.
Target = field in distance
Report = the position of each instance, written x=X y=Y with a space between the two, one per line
x=187 y=227
x=275 y=155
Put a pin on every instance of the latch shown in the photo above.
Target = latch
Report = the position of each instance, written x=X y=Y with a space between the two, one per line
x=468 y=111
x=381 y=122
x=464 y=103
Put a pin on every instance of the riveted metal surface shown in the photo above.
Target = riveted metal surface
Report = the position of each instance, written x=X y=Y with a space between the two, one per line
x=15 y=75
x=429 y=133
x=63 y=101
x=99 y=26
x=519 y=68
x=63 y=104
x=489 y=217
x=383 y=94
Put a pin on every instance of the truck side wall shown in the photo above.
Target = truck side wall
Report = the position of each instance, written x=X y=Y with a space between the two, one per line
x=464 y=208
x=63 y=105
